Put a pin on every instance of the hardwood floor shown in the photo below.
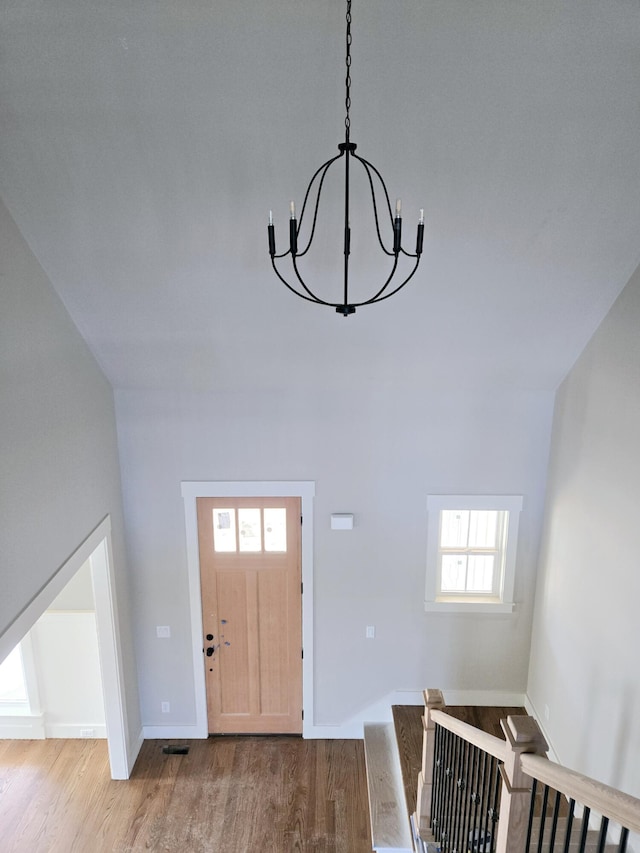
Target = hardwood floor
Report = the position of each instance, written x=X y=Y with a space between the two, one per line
x=228 y=795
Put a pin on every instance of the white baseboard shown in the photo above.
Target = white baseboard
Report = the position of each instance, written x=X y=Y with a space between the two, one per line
x=532 y=711
x=22 y=727
x=75 y=730
x=173 y=733
x=380 y=710
x=487 y=698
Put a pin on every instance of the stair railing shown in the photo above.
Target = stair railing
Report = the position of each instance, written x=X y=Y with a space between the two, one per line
x=478 y=793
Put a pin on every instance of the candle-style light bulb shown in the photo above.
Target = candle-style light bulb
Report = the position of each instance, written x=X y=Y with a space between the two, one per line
x=420 y=234
x=397 y=228
x=293 y=230
x=271 y=232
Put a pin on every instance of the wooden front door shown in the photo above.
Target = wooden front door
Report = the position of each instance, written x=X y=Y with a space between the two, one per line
x=250 y=574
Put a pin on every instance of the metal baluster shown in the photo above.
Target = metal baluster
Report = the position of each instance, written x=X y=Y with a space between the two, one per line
x=466 y=794
x=585 y=829
x=457 y=795
x=450 y=777
x=484 y=814
x=481 y=760
x=554 y=821
x=481 y=799
x=567 y=835
x=446 y=793
x=602 y=840
x=494 y=811
x=624 y=837
x=436 y=792
x=543 y=817
x=532 y=808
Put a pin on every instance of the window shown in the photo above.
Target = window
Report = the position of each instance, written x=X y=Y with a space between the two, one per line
x=14 y=697
x=257 y=529
x=472 y=542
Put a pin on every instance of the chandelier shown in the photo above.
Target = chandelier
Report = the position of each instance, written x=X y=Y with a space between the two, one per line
x=382 y=214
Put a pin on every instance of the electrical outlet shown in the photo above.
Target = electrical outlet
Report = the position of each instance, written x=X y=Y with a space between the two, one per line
x=165 y=707
x=163 y=632
x=87 y=732
x=370 y=633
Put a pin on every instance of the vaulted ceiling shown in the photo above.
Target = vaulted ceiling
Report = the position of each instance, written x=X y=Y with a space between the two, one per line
x=143 y=143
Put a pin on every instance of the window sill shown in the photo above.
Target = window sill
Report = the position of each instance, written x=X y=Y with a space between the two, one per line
x=469 y=606
x=15 y=709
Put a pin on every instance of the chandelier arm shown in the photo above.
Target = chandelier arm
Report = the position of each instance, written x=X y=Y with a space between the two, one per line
x=284 y=254
x=377 y=296
x=368 y=167
x=365 y=165
x=380 y=298
x=324 y=169
x=310 y=298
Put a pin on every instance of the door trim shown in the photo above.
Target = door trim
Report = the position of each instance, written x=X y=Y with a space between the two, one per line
x=303 y=489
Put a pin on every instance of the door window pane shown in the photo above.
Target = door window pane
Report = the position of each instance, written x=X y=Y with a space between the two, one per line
x=224 y=530
x=249 y=529
x=275 y=529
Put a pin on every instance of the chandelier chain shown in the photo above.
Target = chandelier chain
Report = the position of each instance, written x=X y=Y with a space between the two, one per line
x=347 y=102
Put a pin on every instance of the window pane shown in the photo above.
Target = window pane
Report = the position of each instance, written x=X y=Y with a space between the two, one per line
x=454 y=573
x=275 y=529
x=454 y=529
x=480 y=573
x=249 y=529
x=483 y=528
x=12 y=686
x=224 y=530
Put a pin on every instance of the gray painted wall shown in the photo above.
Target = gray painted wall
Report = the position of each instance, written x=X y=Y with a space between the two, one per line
x=374 y=451
x=584 y=657
x=59 y=472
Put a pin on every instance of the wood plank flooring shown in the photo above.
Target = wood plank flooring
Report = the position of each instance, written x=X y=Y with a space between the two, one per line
x=408 y=724
x=228 y=795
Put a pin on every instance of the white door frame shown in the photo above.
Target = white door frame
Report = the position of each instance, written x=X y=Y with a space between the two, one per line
x=305 y=490
x=97 y=548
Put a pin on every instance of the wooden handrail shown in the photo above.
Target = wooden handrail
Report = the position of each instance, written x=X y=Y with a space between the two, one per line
x=489 y=743
x=617 y=806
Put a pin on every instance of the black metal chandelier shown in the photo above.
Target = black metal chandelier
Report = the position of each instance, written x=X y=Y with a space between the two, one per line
x=347 y=153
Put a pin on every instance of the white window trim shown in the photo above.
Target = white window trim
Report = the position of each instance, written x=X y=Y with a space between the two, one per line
x=435 y=504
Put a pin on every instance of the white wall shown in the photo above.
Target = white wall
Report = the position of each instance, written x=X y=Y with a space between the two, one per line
x=375 y=451
x=584 y=657
x=65 y=646
x=59 y=473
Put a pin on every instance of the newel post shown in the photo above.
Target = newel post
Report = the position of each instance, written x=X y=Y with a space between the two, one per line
x=523 y=735
x=433 y=699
